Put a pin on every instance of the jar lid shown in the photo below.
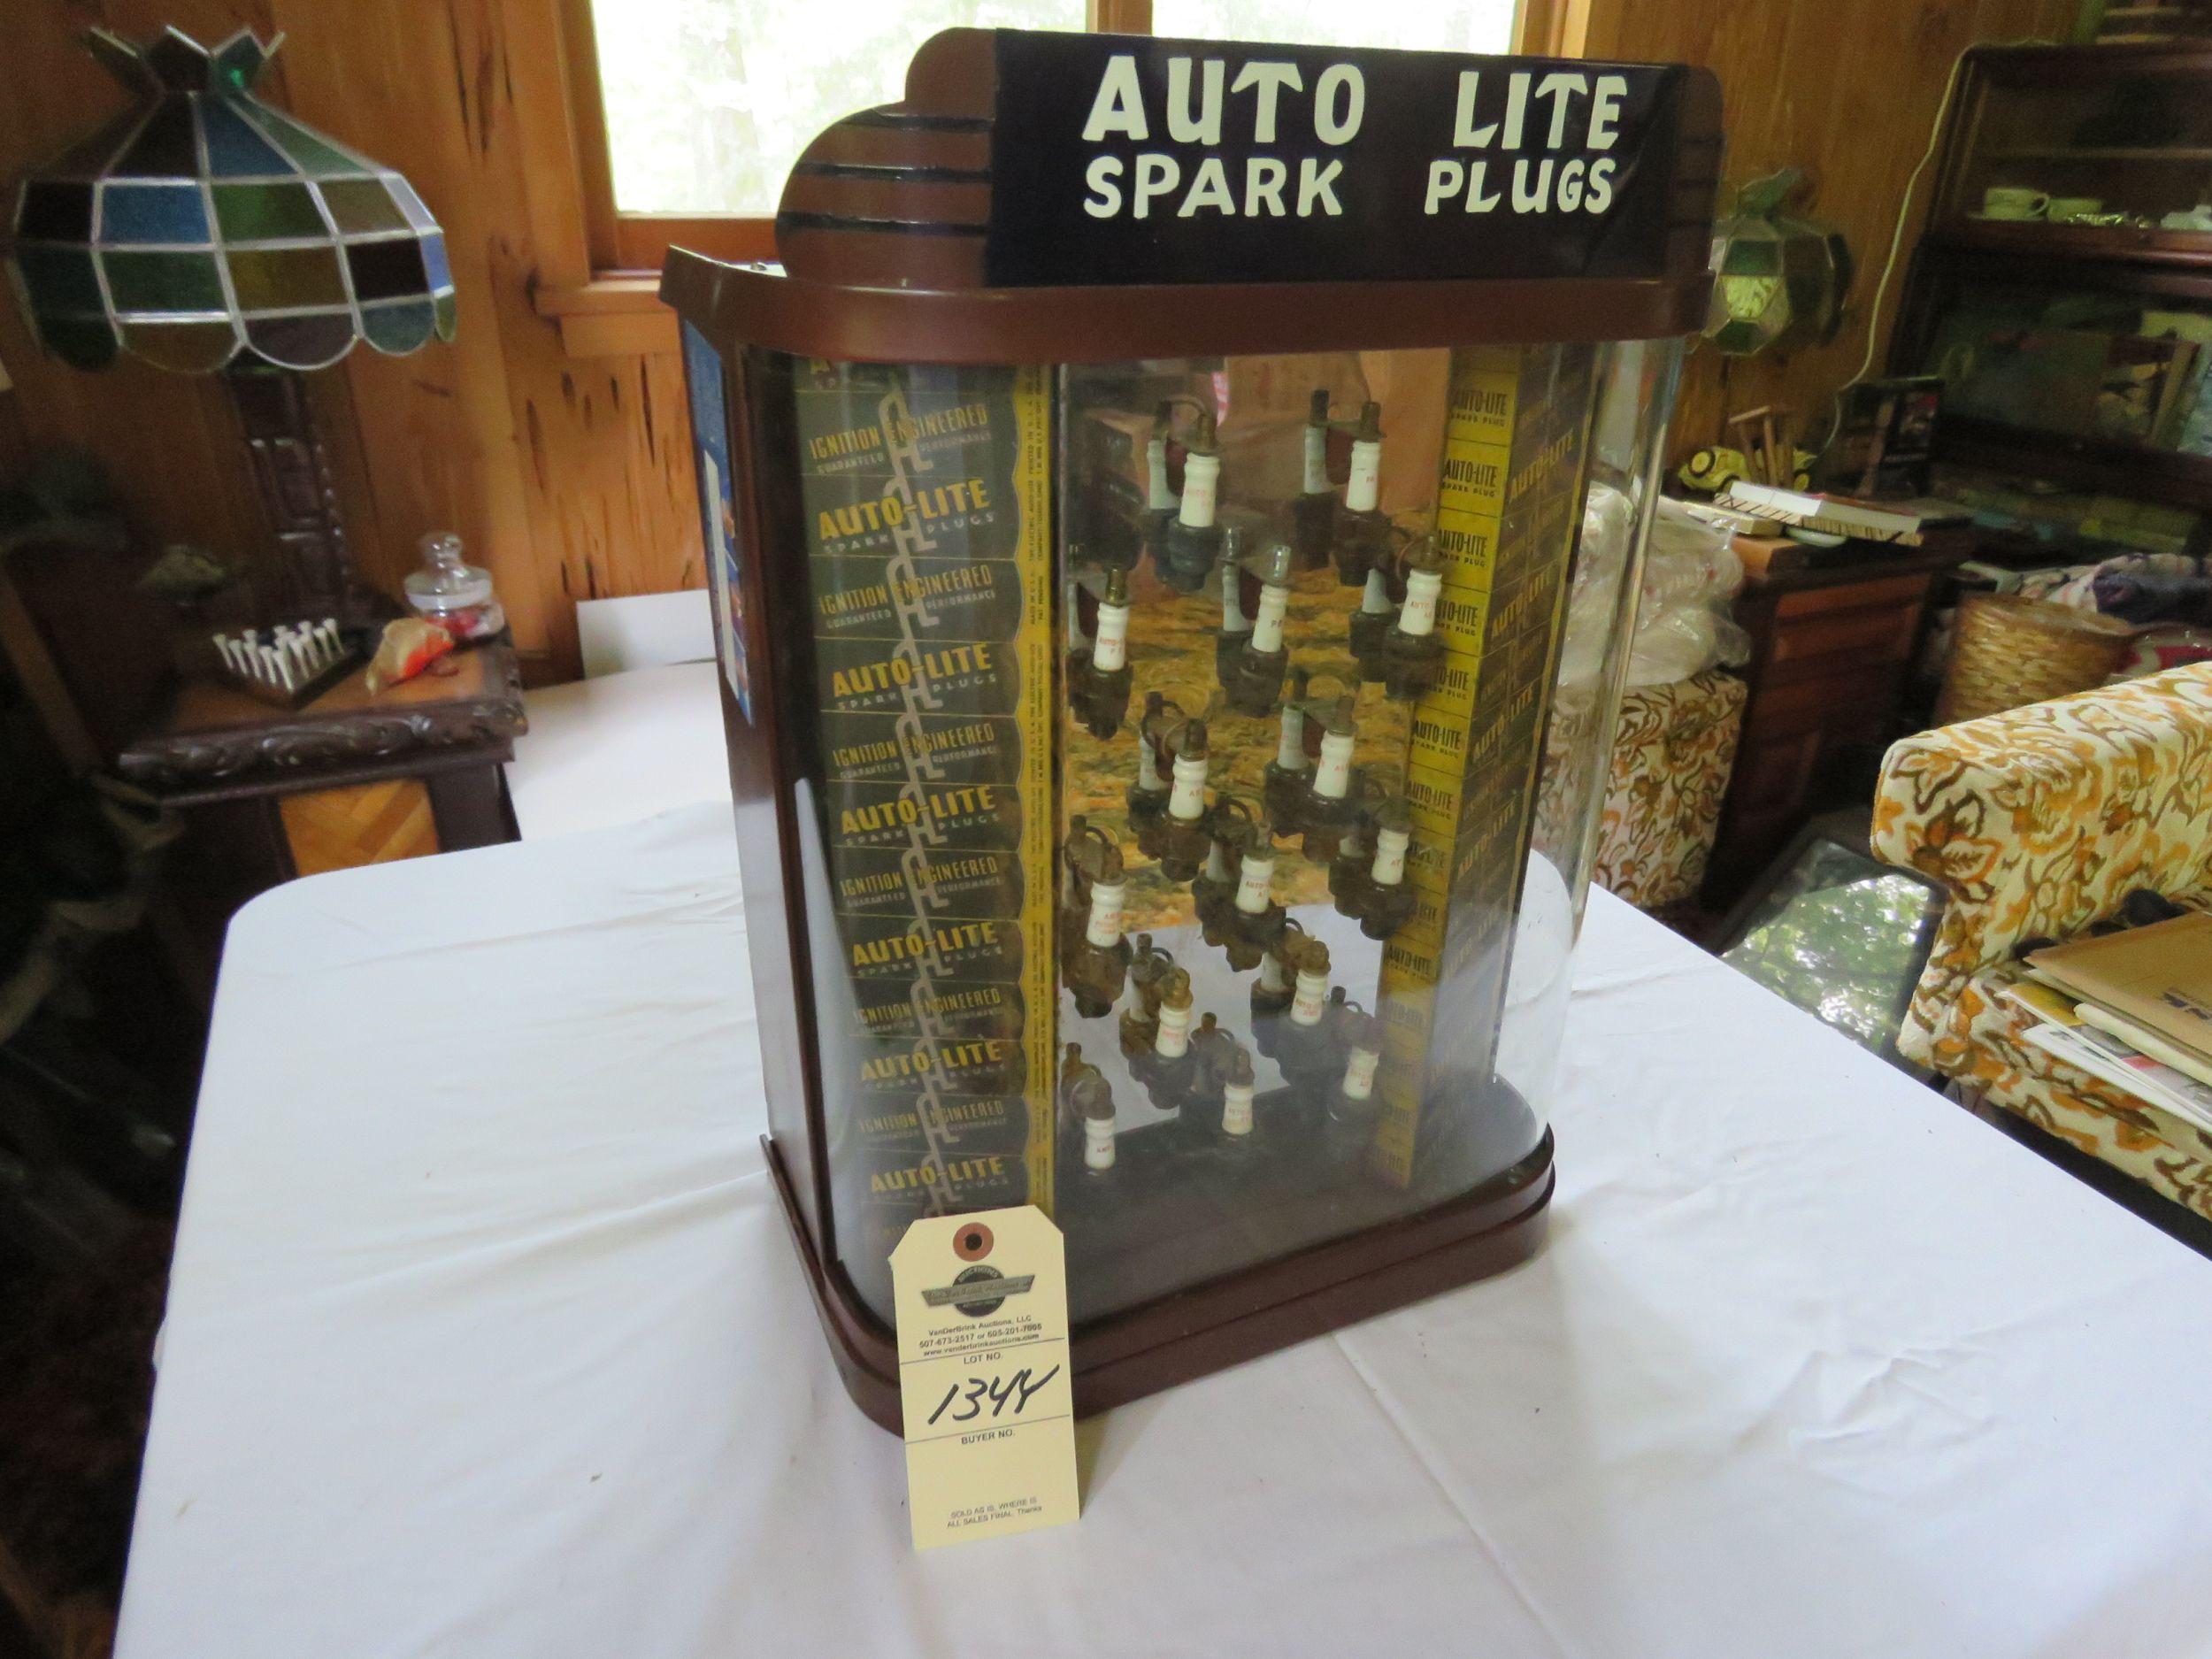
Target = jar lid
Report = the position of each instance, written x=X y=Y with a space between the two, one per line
x=446 y=580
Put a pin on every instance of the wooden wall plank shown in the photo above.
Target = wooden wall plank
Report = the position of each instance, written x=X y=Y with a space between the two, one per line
x=402 y=82
x=570 y=477
x=606 y=451
x=621 y=334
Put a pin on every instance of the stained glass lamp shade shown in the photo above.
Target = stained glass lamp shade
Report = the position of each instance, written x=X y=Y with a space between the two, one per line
x=205 y=231
x=1780 y=279
x=202 y=225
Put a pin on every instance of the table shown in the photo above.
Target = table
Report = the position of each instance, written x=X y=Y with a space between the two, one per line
x=484 y=1338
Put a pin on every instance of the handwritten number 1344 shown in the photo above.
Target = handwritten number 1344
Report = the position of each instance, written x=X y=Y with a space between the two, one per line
x=974 y=1392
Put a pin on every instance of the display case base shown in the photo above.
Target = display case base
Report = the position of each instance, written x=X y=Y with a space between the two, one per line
x=1211 y=1327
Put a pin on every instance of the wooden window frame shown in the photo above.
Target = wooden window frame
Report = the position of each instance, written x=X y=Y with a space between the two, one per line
x=599 y=267
x=624 y=244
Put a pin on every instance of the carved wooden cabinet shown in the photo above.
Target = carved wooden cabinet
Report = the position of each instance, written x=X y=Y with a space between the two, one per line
x=350 y=779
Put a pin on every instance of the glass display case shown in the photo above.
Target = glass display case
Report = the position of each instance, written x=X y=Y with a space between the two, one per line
x=2109 y=146
x=2126 y=367
x=2063 y=290
x=1168 y=716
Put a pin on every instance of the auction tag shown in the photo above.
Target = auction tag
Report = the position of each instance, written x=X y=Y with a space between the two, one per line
x=982 y=1308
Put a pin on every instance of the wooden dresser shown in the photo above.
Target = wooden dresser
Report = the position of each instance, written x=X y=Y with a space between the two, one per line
x=1830 y=653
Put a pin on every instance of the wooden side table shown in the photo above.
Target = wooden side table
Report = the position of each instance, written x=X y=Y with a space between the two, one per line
x=1830 y=653
x=352 y=779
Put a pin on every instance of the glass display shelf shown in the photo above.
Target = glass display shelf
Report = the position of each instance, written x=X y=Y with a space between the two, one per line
x=2102 y=150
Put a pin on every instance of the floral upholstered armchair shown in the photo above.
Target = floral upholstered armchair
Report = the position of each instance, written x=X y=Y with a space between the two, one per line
x=1673 y=751
x=1673 y=748
x=2037 y=823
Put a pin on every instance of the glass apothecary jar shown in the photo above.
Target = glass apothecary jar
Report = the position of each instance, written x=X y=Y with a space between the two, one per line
x=1168 y=716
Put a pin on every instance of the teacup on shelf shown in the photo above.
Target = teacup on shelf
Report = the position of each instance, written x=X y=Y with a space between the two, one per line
x=2014 y=201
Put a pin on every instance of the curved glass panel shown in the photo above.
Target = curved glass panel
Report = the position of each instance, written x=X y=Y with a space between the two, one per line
x=1197 y=766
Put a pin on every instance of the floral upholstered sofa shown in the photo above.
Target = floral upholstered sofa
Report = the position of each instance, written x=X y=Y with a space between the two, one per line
x=2037 y=823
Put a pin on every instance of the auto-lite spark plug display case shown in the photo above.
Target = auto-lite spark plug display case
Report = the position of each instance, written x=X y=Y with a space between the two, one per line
x=1173 y=516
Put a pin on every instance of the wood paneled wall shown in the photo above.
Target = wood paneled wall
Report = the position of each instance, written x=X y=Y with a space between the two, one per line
x=569 y=477
x=1847 y=90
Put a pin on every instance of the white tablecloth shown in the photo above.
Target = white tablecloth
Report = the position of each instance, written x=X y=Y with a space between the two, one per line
x=620 y=748
x=485 y=1339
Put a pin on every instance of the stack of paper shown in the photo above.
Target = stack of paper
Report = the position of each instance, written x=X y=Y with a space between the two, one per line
x=2133 y=1008
x=1830 y=515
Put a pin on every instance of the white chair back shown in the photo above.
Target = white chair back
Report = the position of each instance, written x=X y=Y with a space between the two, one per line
x=648 y=631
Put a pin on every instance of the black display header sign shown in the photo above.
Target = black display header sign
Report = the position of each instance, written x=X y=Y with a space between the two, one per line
x=1116 y=160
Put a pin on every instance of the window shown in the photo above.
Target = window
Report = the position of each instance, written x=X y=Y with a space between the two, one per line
x=690 y=112
x=710 y=102
x=1430 y=25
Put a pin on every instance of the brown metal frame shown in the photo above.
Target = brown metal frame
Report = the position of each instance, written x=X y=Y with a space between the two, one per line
x=769 y=870
x=1191 y=1334
x=765 y=307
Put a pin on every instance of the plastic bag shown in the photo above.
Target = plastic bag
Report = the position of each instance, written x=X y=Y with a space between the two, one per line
x=1608 y=527
x=1683 y=624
